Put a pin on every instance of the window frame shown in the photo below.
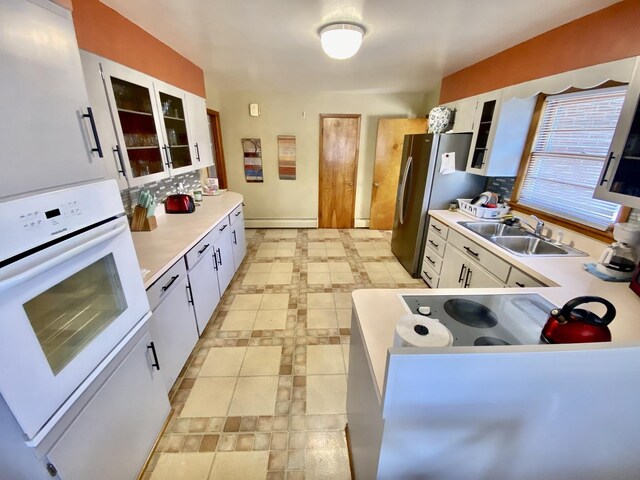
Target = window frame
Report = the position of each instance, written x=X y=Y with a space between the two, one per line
x=623 y=214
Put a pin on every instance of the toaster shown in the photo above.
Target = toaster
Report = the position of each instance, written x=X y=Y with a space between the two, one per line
x=179 y=203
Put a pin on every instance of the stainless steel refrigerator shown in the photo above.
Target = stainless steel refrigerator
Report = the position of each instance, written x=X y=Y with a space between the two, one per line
x=422 y=188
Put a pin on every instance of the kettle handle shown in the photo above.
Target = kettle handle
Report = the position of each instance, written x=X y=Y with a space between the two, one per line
x=573 y=303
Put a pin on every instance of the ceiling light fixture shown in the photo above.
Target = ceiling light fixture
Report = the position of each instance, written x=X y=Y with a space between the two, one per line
x=341 y=40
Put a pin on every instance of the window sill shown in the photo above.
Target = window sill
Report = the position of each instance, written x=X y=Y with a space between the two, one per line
x=606 y=236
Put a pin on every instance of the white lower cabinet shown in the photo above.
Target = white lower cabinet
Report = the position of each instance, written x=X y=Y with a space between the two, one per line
x=205 y=292
x=238 y=239
x=459 y=271
x=172 y=324
x=114 y=433
x=223 y=255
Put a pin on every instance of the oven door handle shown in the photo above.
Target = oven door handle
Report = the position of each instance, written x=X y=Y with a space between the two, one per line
x=56 y=259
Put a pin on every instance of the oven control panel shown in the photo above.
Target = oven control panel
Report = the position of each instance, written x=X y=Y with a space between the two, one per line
x=32 y=221
x=53 y=217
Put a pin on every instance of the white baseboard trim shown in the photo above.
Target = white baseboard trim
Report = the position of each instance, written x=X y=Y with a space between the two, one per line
x=362 y=223
x=280 y=222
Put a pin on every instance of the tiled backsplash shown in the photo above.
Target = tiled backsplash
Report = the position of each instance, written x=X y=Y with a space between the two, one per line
x=161 y=188
x=504 y=186
x=500 y=185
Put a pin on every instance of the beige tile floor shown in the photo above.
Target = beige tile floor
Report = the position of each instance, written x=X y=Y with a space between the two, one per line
x=263 y=394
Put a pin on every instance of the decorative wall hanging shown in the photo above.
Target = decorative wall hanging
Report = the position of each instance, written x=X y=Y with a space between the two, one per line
x=252 y=150
x=287 y=157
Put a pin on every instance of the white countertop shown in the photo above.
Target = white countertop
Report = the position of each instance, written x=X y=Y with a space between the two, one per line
x=158 y=249
x=378 y=310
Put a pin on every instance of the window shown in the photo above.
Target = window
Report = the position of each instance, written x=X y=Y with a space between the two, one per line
x=568 y=154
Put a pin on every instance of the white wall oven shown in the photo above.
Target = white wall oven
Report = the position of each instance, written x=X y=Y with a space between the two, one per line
x=70 y=291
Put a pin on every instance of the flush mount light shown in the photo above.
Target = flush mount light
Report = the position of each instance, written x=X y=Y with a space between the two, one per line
x=341 y=40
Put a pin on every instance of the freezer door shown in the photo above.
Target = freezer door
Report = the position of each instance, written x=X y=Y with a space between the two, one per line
x=410 y=205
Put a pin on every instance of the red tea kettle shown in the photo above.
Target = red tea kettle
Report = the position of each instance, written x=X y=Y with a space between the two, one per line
x=577 y=325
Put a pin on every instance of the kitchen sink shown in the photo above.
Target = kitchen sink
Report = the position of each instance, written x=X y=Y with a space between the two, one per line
x=519 y=241
x=495 y=229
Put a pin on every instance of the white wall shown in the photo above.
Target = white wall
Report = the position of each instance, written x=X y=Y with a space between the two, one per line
x=295 y=203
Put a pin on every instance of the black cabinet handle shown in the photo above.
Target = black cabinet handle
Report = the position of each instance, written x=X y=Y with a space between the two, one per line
x=433 y=243
x=461 y=273
x=235 y=239
x=521 y=285
x=190 y=298
x=203 y=249
x=219 y=256
x=155 y=363
x=197 y=152
x=427 y=275
x=436 y=228
x=215 y=261
x=221 y=229
x=432 y=262
x=606 y=168
x=471 y=251
x=467 y=280
x=92 y=121
x=173 y=279
x=167 y=152
x=238 y=213
x=118 y=152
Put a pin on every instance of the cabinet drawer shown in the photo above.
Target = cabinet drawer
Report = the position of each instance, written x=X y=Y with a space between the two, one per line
x=198 y=251
x=219 y=229
x=432 y=259
x=430 y=276
x=436 y=242
x=166 y=283
x=484 y=257
x=236 y=214
x=438 y=227
x=522 y=280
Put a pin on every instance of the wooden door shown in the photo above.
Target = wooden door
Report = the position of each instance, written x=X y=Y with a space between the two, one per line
x=339 y=140
x=386 y=170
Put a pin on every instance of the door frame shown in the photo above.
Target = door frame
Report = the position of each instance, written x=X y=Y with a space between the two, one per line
x=355 y=173
x=216 y=136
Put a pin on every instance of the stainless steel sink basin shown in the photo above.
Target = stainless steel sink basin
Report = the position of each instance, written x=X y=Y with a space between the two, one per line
x=519 y=241
x=489 y=230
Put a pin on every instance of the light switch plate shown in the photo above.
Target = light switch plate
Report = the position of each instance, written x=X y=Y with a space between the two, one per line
x=254 y=110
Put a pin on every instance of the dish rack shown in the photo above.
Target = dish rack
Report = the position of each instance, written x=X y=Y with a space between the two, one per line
x=482 y=212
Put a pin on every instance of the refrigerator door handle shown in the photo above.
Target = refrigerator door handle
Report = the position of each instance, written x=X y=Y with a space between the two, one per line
x=407 y=167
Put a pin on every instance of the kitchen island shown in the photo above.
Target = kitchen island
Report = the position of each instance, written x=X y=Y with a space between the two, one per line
x=499 y=412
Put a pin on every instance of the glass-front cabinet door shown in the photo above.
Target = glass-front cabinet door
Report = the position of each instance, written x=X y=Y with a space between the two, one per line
x=620 y=178
x=177 y=145
x=137 y=124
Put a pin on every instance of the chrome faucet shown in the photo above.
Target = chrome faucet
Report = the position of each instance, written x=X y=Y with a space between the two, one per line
x=537 y=230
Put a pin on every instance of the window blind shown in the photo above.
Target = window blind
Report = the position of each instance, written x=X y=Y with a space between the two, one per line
x=568 y=155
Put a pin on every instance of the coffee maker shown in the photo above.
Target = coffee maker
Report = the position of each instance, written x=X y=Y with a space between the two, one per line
x=619 y=260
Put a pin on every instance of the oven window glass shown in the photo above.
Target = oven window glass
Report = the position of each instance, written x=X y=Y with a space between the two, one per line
x=66 y=317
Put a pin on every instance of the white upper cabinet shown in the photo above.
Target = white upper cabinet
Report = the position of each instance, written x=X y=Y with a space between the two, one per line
x=113 y=157
x=620 y=178
x=465 y=109
x=47 y=135
x=500 y=128
x=176 y=134
x=201 y=145
x=152 y=129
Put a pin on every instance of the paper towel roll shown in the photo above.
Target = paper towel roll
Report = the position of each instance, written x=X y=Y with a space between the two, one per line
x=421 y=331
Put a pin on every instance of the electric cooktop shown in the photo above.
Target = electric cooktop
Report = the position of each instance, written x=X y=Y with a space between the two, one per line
x=478 y=320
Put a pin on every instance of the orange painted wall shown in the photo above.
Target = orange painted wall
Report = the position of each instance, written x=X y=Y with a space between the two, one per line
x=103 y=31
x=609 y=34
